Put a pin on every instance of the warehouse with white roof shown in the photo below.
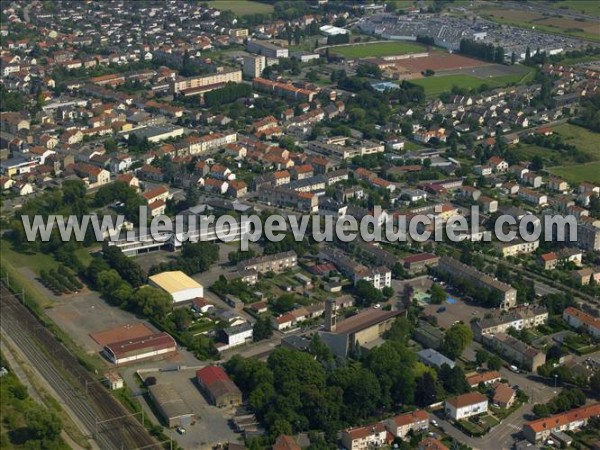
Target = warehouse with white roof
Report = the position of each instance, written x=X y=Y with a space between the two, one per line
x=178 y=285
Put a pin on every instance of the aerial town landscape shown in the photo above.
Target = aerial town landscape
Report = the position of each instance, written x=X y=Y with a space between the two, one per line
x=472 y=125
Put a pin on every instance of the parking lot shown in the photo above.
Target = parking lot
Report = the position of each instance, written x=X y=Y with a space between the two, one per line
x=211 y=425
x=455 y=310
x=85 y=313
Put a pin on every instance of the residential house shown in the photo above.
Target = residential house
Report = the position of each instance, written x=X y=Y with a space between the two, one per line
x=498 y=164
x=362 y=438
x=581 y=320
x=401 y=425
x=466 y=405
x=489 y=377
x=572 y=420
x=504 y=395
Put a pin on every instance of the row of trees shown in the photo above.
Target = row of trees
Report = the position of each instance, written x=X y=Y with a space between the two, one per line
x=195 y=258
x=566 y=400
x=481 y=50
x=227 y=94
x=125 y=199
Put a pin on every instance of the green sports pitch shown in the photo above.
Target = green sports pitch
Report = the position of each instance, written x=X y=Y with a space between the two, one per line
x=375 y=49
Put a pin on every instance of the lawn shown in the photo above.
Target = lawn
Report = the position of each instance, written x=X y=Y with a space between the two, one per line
x=584 y=139
x=377 y=49
x=241 y=7
x=35 y=261
x=577 y=174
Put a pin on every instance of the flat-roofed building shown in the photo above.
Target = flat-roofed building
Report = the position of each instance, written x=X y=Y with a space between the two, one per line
x=143 y=347
x=267 y=49
x=178 y=285
x=253 y=65
x=432 y=358
x=205 y=83
x=359 y=331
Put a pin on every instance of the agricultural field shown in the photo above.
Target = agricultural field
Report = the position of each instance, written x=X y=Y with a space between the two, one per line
x=241 y=7
x=579 y=173
x=377 y=49
x=550 y=23
x=591 y=8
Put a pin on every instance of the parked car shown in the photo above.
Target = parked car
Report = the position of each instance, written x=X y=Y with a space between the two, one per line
x=441 y=309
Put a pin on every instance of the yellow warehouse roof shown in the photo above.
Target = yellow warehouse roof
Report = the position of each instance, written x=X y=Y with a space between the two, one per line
x=174 y=281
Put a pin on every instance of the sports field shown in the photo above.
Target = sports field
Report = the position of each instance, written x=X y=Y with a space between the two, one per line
x=550 y=23
x=241 y=7
x=377 y=49
x=437 y=84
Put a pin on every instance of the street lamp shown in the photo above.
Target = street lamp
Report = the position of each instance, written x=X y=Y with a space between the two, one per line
x=555 y=378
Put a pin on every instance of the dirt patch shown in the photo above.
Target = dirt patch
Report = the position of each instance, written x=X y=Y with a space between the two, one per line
x=440 y=61
x=121 y=333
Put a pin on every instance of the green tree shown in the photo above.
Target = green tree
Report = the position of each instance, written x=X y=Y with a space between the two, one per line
x=438 y=294
x=262 y=328
x=456 y=339
x=43 y=424
x=494 y=363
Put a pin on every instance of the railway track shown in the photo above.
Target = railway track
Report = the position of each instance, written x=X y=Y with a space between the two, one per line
x=107 y=420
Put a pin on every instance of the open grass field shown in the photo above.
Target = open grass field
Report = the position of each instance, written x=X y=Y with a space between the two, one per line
x=589 y=7
x=549 y=23
x=377 y=49
x=241 y=7
x=585 y=140
x=579 y=173
x=437 y=84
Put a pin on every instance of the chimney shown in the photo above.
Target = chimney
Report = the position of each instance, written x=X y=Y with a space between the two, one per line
x=330 y=319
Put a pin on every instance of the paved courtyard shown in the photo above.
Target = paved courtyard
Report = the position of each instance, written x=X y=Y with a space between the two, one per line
x=212 y=426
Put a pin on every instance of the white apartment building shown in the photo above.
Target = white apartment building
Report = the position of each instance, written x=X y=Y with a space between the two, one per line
x=466 y=405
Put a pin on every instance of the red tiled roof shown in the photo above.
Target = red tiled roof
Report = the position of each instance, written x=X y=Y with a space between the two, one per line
x=210 y=374
x=565 y=418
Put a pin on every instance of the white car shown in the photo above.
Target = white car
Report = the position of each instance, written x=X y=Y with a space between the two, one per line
x=377 y=306
x=181 y=430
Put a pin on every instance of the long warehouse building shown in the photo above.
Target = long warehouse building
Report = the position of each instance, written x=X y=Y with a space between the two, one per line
x=140 y=348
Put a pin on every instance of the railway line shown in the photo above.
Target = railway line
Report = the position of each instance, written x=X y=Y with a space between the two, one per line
x=111 y=425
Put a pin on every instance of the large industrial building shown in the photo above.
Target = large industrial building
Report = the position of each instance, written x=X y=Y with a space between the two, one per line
x=218 y=387
x=173 y=409
x=178 y=285
x=362 y=331
x=140 y=348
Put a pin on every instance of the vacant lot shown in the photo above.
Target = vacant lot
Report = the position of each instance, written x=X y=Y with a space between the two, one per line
x=579 y=173
x=583 y=139
x=241 y=7
x=551 y=23
x=377 y=49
